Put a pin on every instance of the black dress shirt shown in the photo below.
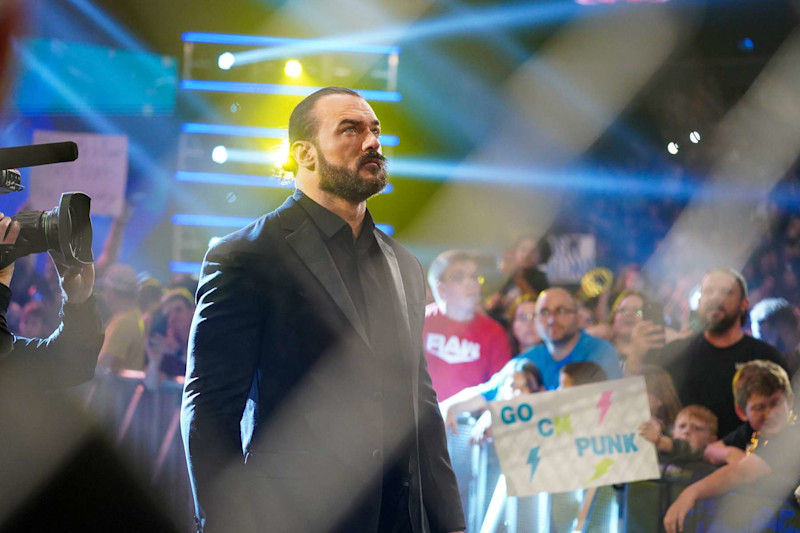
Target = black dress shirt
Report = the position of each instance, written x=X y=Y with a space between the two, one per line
x=365 y=272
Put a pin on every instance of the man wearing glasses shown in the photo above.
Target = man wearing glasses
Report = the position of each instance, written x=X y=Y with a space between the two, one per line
x=564 y=343
x=463 y=347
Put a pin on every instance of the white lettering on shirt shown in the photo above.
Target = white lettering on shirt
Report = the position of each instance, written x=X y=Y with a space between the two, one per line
x=452 y=350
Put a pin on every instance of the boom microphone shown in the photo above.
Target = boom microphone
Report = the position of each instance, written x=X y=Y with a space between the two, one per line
x=38 y=154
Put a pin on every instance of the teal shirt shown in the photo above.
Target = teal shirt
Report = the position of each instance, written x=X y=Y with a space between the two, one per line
x=588 y=348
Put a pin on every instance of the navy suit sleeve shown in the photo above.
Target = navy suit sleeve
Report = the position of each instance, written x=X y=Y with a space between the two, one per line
x=224 y=350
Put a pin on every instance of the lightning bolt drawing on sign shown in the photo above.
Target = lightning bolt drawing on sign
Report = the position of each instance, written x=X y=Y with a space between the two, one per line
x=601 y=468
x=603 y=404
x=533 y=460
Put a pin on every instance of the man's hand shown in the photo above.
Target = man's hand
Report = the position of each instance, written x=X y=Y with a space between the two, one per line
x=10 y=231
x=76 y=281
x=676 y=514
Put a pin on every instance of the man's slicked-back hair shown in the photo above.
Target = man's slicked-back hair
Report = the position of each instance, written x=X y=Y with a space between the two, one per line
x=303 y=123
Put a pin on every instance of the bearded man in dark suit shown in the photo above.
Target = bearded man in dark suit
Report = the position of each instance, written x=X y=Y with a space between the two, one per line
x=307 y=404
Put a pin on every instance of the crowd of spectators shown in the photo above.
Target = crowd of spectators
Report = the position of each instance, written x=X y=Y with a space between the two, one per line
x=694 y=334
x=520 y=335
x=146 y=322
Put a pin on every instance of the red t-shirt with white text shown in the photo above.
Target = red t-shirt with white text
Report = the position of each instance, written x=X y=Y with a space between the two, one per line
x=462 y=354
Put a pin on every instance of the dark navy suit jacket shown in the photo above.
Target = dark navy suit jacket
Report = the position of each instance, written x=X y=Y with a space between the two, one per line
x=282 y=415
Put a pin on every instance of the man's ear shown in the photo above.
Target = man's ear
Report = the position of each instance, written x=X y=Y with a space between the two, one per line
x=740 y=413
x=745 y=305
x=305 y=154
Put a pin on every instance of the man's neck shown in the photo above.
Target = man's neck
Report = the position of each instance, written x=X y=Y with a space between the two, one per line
x=351 y=213
x=459 y=314
x=559 y=351
x=726 y=338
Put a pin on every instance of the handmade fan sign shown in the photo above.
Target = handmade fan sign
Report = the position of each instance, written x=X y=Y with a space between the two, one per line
x=574 y=438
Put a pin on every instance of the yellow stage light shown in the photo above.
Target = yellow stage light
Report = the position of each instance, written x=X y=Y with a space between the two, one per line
x=282 y=153
x=293 y=68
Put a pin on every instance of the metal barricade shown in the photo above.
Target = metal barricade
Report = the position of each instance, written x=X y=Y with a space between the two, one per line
x=489 y=509
x=635 y=507
x=145 y=425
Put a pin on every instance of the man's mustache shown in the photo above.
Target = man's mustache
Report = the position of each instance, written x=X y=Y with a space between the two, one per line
x=372 y=157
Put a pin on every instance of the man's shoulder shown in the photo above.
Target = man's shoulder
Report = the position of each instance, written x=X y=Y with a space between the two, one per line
x=489 y=324
x=753 y=348
x=684 y=345
x=760 y=347
x=128 y=319
x=251 y=238
x=536 y=354
x=587 y=343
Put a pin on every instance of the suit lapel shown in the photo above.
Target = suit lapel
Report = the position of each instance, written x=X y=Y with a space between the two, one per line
x=308 y=244
x=397 y=281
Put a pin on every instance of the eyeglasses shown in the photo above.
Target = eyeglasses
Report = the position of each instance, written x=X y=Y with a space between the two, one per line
x=559 y=312
x=525 y=317
x=630 y=311
x=461 y=277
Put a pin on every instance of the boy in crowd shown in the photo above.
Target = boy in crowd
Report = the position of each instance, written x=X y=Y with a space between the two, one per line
x=763 y=388
x=748 y=381
x=695 y=428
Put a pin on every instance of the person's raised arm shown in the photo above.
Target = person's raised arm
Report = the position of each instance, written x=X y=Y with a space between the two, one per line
x=727 y=478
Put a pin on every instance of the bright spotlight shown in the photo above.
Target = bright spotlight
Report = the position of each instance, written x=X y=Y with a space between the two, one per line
x=672 y=148
x=219 y=154
x=694 y=137
x=282 y=153
x=293 y=68
x=226 y=61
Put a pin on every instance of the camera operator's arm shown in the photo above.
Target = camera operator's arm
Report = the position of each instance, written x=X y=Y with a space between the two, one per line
x=69 y=355
x=9 y=231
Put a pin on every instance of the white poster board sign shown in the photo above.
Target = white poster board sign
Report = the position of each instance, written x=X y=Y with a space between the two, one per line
x=101 y=171
x=574 y=438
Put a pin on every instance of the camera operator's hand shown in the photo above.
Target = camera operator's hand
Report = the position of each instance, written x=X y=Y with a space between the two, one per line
x=76 y=282
x=10 y=231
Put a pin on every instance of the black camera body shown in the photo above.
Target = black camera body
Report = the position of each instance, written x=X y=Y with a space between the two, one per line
x=10 y=181
x=66 y=229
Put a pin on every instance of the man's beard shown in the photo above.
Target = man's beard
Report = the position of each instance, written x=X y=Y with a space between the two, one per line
x=563 y=340
x=346 y=183
x=723 y=324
